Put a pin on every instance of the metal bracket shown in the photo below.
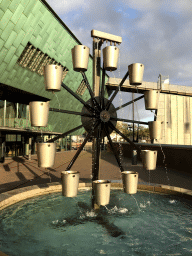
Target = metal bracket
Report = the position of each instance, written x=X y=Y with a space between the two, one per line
x=106 y=36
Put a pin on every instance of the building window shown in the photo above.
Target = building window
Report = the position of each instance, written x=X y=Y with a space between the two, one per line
x=34 y=59
x=81 y=89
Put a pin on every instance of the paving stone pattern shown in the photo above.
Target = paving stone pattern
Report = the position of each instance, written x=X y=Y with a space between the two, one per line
x=20 y=171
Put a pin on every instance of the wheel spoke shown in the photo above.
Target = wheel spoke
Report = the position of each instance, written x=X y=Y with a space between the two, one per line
x=65 y=134
x=128 y=121
x=123 y=136
x=77 y=97
x=95 y=173
x=117 y=90
x=128 y=103
x=95 y=162
x=82 y=146
x=102 y=89
x=113 y=149
x=155 y=116
x=95 y=103
x=69 y=112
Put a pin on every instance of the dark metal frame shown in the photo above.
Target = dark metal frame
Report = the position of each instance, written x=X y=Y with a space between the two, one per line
x=101 y=127
x=95 y=110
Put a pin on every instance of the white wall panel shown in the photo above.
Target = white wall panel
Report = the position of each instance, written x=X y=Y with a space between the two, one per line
x=174 y=119
x=175 y=111
x=162 y=109
x=168 y=119
x=190 y=115
x=187 y=124
x=165 y=120
x=180 y=131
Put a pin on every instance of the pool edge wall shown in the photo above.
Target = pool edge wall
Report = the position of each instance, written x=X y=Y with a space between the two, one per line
x=14 y=196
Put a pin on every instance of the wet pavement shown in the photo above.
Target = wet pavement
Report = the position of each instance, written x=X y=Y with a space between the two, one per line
x=19 y=172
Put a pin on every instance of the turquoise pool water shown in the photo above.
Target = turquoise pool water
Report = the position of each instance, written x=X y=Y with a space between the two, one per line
x=146 y=224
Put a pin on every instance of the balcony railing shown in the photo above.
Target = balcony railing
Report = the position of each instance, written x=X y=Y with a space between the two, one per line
x=22 y=123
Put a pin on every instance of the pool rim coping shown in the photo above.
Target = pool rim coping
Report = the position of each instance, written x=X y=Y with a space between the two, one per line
x=14 y=196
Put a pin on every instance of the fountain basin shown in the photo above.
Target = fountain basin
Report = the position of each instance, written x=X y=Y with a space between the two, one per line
x=146 y=223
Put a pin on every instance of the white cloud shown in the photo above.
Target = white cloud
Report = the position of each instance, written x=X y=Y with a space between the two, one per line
x=146 y=5
x=175 y=6
x=179 y=6
x=147 y=22
x=159 y=35
x=83 y=35
x=64 y=6
x=103 y=26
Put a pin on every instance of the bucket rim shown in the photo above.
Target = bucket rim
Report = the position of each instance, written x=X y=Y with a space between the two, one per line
x=46 y=142
x=154 y=121
x=70 y=172
x=113 y=46
x=129 y=172
x=81 y=46
x=101 y=181
x=39 y=101
x=151 y=90
x=146 y=150
x=53 y=65
x=135 y=64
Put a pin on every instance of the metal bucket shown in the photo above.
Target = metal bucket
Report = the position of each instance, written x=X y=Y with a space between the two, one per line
x=80 y=57
x=39 y=112
x=53 y=77
x=110 y=57
x=151 y=99
x=46 y=154
x=130 y=181
x=102 y=191
x=70 y=183
x=155 y=130
x=136 y=73
x=149 y=159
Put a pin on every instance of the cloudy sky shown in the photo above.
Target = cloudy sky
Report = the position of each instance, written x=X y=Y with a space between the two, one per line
x=157 y=33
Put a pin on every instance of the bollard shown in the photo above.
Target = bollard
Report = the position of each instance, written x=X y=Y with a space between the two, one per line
x=2 y=149
x=134 y=157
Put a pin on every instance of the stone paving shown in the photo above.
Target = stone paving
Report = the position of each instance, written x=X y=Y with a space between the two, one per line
x=19 y=172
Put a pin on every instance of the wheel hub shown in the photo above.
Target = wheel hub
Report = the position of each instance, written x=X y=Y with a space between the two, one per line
x=100 y=115
x=105 y=116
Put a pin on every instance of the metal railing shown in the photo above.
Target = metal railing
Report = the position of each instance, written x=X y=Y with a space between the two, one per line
x=22 y=123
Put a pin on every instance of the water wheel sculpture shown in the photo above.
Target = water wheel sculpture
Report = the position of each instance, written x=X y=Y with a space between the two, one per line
x=98 y=114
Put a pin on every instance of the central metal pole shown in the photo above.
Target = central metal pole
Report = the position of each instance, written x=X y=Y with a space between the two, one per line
x=160 y=81
x=96 y=82
x=17 y=113
x=133 y=116
x=29 y=154
x=4 y=113
x=96 y=66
